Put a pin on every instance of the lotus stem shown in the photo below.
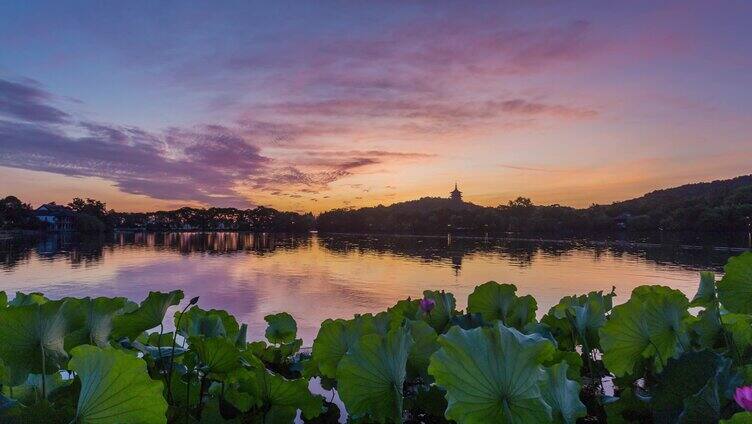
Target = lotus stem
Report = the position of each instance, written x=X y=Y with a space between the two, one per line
x=172 y=351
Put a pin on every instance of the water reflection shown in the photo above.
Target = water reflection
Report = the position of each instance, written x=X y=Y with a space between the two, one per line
x=317 y=277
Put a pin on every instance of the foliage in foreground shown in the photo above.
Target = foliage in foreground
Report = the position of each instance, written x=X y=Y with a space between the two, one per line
x=658 y=357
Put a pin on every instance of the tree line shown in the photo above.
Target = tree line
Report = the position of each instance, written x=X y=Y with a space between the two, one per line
x=719 y=206
x=92 y=216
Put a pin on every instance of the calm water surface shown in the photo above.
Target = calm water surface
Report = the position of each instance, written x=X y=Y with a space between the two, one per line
x=317 y=277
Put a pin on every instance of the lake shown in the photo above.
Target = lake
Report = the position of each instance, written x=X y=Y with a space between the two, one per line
x=315 y=277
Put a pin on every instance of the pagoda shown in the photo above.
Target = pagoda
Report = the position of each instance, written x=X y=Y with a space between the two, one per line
x=456 y=194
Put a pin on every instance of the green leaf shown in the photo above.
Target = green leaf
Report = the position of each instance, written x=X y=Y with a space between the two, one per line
x=280 y=398
x=740 y=328
x=470 y=321
x=425 y=345
x=404 y=309
x=32 y=331
x=573 y=360
x=30 y=391
x=3 y=300
x=627 y=409
x=496 y=301
x=576 y=320
x=22 y=299
x=739 y=418
x=443 y=311
x=707 y=328
x=735 y=288
x=562 y=395
x=275 y=354
x=211 y=323
x=217 y=353
x=491 y=375
x=335 y=338
x=688 y=388
x=115 y=388
x=706 y=293
x=281 y=329
x=372 y=373
x=98 y=316
x=149 y=314
x=651 y=325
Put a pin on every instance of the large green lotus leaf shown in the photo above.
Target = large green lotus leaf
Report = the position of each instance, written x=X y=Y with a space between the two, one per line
x=562 y=394
x=217 y=353
x=420 y=352
x=335 y=338
x=739 y=418
x=97 y=315
x=279 y=397
x=740 y=328
x=577 y=319
x=573 y=360
x=240 y=339
x=28 y=331
x=496 y=301
x=706 y=328
x=10 y=376
x=115 y=388
x=282 y=328
x=492 y=375
x=470 y=321
x=23 y=299
x=687 y=389
x=149 y=314
x=651 y=325
x=404 y=309
x=372 y=373
x=275 y=354
x=735 y=288
x=443 y=311
x=706 y=292
x=3 y=300
x=31 y=390
x=211 y=323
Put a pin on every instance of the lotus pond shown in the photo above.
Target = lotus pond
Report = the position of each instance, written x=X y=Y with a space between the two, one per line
x=659 y=357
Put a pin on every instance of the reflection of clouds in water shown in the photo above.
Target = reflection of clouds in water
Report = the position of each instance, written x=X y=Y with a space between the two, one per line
x=315 y=278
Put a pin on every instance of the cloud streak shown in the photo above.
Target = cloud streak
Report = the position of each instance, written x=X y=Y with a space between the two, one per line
x=211 y=164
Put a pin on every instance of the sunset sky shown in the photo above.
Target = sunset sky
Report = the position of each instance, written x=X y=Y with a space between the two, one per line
x=308 y=106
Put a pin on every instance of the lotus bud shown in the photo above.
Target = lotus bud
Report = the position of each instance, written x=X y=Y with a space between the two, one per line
x=743 y=396
x=427 y=305
x=193 y=301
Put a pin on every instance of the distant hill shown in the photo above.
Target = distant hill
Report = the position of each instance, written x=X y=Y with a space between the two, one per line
x=717 y=205
x=723 y=205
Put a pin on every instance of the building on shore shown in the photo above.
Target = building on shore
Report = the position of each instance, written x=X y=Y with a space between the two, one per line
x=58 y=218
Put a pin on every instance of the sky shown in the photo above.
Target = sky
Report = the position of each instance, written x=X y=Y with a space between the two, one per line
x=309 y=106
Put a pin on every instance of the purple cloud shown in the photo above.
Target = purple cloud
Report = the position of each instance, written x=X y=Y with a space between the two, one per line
x=202 y=164
x=209 y=164
x=28 y=102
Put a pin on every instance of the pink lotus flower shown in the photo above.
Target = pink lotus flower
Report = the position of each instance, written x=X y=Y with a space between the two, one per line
x=743 y=396
x=427 y=305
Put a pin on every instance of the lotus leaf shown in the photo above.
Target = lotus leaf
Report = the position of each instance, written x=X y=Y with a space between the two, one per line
x=372 y=373
x=149 y=314
x=115 y=388
x=735 y=288
x=651 y=325
x=496 y=301
x=492 y=375
x=562 y=394
x=282 y=328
